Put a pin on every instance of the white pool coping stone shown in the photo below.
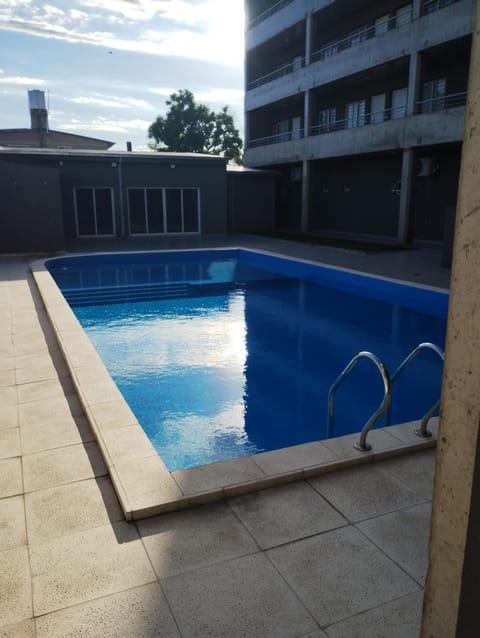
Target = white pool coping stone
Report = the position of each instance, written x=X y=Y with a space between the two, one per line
x=142 y=482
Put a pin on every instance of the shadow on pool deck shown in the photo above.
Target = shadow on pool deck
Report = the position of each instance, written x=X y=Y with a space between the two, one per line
x=339 y=555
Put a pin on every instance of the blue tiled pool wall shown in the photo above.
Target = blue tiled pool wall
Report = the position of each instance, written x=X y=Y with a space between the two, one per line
x=184 y=266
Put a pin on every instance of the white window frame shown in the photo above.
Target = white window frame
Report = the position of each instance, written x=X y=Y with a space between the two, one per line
x=327 y=119
x=164 y=204
x=355 y=114
x=433 y=95
x=75 y=205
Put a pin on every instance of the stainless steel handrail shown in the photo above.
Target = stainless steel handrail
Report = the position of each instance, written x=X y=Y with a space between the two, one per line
x=362 y=444
x=422 y=430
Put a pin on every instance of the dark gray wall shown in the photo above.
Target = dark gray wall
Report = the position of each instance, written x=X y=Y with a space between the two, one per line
x=434 y=197
x=355 y=195
x=251 y=202
x=30 y=208
x=208 y=176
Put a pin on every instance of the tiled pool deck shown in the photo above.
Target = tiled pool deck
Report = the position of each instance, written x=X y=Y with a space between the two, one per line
x=339 y=554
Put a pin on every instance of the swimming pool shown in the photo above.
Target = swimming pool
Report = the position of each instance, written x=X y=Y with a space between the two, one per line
x=223 y=354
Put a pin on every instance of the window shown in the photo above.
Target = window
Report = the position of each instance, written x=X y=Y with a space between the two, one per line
x=282 y=131
x=399 y=103
x=355 y=114
x=403 y=15
x=381 y=24
x=296 y=127
x=327 y=119
x=433 y=95
x=154 y=211
x=377 y=108
x=94 y=212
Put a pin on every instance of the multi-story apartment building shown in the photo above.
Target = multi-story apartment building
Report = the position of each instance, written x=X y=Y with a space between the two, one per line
x=360 y=106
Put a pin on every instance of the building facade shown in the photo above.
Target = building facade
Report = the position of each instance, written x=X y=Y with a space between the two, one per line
x=360 y=107
x=40 y=135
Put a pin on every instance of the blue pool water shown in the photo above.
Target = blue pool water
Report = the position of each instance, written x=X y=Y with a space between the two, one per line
x=222 y=354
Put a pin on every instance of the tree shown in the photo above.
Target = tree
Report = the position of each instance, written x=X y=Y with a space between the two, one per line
x=194 y=128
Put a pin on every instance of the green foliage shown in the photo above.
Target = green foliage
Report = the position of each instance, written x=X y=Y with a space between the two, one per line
x=194 y=128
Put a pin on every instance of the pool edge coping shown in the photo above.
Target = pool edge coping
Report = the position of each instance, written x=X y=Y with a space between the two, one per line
x=143 y=484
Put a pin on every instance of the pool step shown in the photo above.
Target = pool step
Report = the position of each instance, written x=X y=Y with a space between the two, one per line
x=143 y=292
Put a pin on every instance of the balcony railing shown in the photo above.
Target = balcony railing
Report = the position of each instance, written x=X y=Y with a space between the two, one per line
x=286 y=69
x=357 y=37
x=423 y=106
x=275 y=139
x=441 y=102
x=359 y=121
x=268 y=12
x=430 y=6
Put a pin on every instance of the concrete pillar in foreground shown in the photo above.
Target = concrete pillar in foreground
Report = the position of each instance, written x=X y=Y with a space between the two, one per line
x=405 y=195
x=452 y=594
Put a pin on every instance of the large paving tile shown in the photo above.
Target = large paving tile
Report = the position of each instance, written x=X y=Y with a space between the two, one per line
x=8 y=408
x=10 y=477
x=283 y=514
x=50 y=410
x=31 y=392
x=12 y=523
x=217 y=475
x=416 y=470
x=84 y=566
x=403 y=536
x=62 y=465
x=217 y=536
x=398 y=619
x=237 y=598
x=365 y=491
x=7 y=378
x=136 y=613
x=67 y=430
x=9 y=443
x=37 y=373
x=24 y=629
x=71 y=508
x=15 y=587
x=340 y=573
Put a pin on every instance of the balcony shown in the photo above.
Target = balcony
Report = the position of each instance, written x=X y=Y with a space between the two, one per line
x=269 y=12
x=364 y=49
x=281 y=71
x=358 y=37
x=436 y=121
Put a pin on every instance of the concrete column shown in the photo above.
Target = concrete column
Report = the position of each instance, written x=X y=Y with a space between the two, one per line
x=308 y=38
x=414 y=81
x=416 y=9
x=451 y=606
x=405 y=195
x=306 y=113
x=305 y=195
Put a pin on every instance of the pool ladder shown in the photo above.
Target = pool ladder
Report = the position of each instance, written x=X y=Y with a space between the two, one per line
x=386 y=404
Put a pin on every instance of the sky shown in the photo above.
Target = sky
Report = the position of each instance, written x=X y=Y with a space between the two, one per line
x=108 y=66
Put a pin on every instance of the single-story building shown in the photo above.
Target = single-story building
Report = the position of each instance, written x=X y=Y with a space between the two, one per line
x=50 y=197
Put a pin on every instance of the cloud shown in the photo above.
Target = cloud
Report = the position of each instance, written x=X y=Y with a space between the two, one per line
x=203 y=31
x=116 y=102
x=110 y=125
x=20 y=80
